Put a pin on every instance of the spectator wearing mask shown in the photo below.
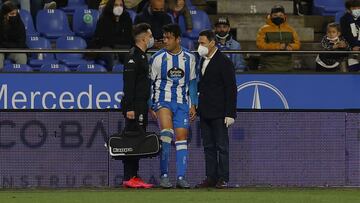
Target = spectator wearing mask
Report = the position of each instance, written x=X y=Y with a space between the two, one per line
x=12 y=33
x=277 y=35
x=178 y=8
x=350 y=28
x=226 y=42
x=156 y=16
x=113 y=31
x=333 y=41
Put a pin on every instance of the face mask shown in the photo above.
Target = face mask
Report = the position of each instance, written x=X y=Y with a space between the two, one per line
x=333 y=39
x=158 y=13
x=203 y=51
x=12 y=19
x=118 y=10
x=278 y=20
x=222 y=35
x=150 y=43
x=356 y=13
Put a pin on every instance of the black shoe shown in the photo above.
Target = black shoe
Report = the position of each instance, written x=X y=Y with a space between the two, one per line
x=222 y=184
x=207 y=183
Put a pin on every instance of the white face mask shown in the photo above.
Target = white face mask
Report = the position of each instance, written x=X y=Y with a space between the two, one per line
x=333 y=39
x=203 y=50
x=356 y=13
x=150 y=43
x=118 y=10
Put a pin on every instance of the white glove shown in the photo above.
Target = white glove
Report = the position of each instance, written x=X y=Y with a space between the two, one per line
x=229 y=121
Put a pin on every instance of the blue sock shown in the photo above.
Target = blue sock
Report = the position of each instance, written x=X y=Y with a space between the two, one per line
x=181 y=158
x=166 y=137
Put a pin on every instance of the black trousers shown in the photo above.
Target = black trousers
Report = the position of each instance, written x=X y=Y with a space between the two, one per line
x=131 y=164
x=215 y=139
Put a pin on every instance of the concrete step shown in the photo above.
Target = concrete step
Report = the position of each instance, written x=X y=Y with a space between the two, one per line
x=319 y=23
x=248 y=33
x=251 y=6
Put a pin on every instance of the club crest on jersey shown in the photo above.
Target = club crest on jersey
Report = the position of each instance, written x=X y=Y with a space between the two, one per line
x=175 y=73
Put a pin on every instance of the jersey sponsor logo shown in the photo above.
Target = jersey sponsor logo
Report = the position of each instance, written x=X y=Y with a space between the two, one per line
x=175 y=73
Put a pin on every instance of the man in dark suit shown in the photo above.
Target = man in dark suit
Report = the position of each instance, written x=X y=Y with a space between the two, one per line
x=217 y=109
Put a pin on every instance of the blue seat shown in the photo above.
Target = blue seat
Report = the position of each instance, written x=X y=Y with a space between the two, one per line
x=54 y=67
x=118 y=68
x=8 y=61
x=17 y=68
x=71 y=42
x=37 y=60
x=91 y=68
x=73 y=5
x=187 y=43
x=132 y=14
x=328 y=7
x=339 y=15
x=52 y=24
x=200 y=22
x=28 y=23
x=84 y=22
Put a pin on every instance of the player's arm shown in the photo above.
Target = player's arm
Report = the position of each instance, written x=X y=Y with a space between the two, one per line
x=153 y=77
x=193 y=92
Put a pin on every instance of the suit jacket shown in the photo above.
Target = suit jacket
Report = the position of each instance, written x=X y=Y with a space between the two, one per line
x=217 y=88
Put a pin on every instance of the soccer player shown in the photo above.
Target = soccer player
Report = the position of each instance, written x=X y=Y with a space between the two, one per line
x=173 y=78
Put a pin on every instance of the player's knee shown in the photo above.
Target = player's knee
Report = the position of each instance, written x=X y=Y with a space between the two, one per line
x=166 y=135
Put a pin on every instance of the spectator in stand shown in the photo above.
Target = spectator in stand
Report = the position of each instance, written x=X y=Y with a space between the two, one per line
x=226 y=42
x=178 y=8
x=333 y=41
x=12 y=33
x=350 y=28
x=277 y=35
x=156 y=16
x=130 y=4
x=23 y=4
x=113 y=31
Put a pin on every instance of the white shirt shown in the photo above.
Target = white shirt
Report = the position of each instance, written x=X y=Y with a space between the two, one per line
x=206 y=62
x=171 y=74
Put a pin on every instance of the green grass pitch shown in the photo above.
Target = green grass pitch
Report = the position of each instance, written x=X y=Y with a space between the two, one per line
x=241 y=195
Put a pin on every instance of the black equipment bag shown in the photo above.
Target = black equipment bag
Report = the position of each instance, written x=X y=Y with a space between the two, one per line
x=135 y=143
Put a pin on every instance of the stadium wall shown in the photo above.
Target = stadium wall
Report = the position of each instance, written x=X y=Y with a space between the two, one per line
x=66 y=149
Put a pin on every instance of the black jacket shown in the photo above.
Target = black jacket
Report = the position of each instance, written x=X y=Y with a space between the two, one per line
x=12 y=35
x=217 y=88
x=136 y=79
x=346 y=30
x=110 y=33
x=156 y=21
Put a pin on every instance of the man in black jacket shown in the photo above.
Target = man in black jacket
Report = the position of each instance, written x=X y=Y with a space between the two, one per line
x=12 y=33
x=217 y=109
x=136 y=96
x=156 y=16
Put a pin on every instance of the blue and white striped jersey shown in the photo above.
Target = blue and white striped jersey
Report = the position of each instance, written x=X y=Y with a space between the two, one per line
x=171 y=75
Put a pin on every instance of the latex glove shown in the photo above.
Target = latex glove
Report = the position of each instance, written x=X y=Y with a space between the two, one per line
x=229 y=121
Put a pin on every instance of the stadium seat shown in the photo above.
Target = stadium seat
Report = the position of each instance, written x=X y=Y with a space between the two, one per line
x=8 y=61
x=200 y=22
x=118 y=68
x=84 y=22
x=28 y=23
x=37 y=60
x=71 y=42
x=54 y=67
x=73 y=5
x=132 y=14
x=17 y=68
x=52 y=24
x=91 y=68
x=338 y=16
x=328 y=7
x=187 y=43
